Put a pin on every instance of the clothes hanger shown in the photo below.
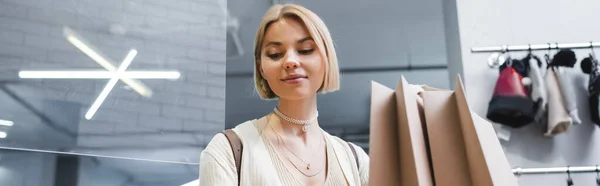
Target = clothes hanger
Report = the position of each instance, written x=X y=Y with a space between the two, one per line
x=569 y=180
x=506 y=56
x=592 y=53
x=547 y=55
x=498 y=59
x=505 y=59
x=530 y=56
x=597 y=175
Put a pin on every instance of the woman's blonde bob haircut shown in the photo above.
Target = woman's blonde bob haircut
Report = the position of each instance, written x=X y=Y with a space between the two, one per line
x=318 y=31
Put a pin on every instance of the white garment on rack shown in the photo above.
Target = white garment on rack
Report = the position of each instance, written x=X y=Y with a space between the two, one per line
x=538 y=93
x=559 y=120
x=564 y=82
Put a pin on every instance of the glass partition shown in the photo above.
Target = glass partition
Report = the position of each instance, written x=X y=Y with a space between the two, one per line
x=141 y=79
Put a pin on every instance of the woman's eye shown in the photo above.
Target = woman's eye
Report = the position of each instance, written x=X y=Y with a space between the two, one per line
x=304 y=52
x=275 y=56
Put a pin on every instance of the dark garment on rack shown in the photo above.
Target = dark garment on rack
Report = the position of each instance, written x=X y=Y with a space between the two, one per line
x=593 y=99
x=511 y=105
x=564 y=58
x=593 y=88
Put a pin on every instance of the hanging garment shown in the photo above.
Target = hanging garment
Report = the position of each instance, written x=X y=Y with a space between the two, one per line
x=510 y=104
x=559 y=120
x=590 y=66
x=564 y=82
x=538 y=88
x=564 y=58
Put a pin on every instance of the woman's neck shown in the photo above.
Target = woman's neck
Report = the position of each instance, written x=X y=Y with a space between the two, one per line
x=302 y=109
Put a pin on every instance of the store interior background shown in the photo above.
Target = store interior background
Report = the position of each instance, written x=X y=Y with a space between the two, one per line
x=131 y=140
x=137 y=141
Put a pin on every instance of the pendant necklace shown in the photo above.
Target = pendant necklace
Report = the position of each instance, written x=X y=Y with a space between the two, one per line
x=307 y=163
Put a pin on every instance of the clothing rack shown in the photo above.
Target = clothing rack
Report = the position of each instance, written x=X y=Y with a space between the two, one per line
x=554 y=170
x=531 y=47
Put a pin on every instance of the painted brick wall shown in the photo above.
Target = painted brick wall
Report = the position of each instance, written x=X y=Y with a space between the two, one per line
x=183 y=35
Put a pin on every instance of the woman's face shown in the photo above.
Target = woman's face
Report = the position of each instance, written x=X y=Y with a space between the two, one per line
x=290 y=60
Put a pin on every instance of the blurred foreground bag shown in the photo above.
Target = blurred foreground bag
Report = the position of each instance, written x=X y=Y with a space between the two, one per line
x=429 y=136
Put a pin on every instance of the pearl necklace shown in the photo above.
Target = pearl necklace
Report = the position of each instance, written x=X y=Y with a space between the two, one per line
x=304 y=123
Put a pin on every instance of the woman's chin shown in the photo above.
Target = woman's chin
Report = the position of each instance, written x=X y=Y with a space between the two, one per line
x=297 y=95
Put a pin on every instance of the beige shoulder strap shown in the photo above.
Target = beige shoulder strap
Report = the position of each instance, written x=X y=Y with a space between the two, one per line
x=355 y=156
x=237 y=147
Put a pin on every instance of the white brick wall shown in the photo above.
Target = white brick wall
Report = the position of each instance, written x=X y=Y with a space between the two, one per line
x=182 y=112
x=26 y=26
x=160 y=123
x=12 y=37
x=183 y=35
x=216 y=92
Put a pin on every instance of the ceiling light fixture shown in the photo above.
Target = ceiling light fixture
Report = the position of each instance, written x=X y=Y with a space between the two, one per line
x=98 y=74
x=110 y=85
x=6 y=123
x=2 y=134
x=88 y=50
x=113 y=73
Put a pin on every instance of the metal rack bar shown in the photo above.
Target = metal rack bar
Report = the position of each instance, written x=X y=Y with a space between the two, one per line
x=548 y=46
x=554 y=170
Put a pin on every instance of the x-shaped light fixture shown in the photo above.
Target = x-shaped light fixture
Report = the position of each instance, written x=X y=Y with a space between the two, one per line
x=113 y=73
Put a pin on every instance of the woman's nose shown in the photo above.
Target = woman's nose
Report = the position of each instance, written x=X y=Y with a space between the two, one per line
x=291 y=62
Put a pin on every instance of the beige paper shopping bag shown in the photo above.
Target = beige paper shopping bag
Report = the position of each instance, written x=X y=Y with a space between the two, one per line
x=464 y=148
x=383 y=143
x=397 y=147
x=414 y=158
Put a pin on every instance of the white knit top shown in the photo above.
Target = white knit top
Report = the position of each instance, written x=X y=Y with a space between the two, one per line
x=261 y=166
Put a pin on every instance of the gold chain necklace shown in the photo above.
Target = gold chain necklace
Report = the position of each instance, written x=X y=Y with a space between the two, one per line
x=300 y=169
x=280 y=139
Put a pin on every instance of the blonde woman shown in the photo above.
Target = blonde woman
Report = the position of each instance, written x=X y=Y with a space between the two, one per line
x=294 y=59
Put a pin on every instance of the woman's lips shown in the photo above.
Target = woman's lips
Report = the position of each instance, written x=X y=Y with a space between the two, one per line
x=294 y=80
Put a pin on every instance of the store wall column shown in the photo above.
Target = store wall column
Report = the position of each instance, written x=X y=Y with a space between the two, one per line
x=452 y=35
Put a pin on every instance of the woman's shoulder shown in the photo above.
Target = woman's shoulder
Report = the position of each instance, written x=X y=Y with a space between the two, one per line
x=347 y=145
x=360 y=156
x=339 y=141
x=218 y=146
x=219 y=141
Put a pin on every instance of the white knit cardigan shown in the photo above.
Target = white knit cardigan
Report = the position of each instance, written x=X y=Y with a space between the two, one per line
x=217 y=167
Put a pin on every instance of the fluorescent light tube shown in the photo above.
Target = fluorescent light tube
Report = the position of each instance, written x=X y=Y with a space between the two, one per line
x=110 y=85
x=82 y=45
x=2 y=134
x=95 y=74
x=6 y=123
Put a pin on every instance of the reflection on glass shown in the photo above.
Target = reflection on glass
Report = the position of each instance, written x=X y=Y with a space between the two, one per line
x=26 y=168
x=76 y=40
x=6 y=123
x=125 y=79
